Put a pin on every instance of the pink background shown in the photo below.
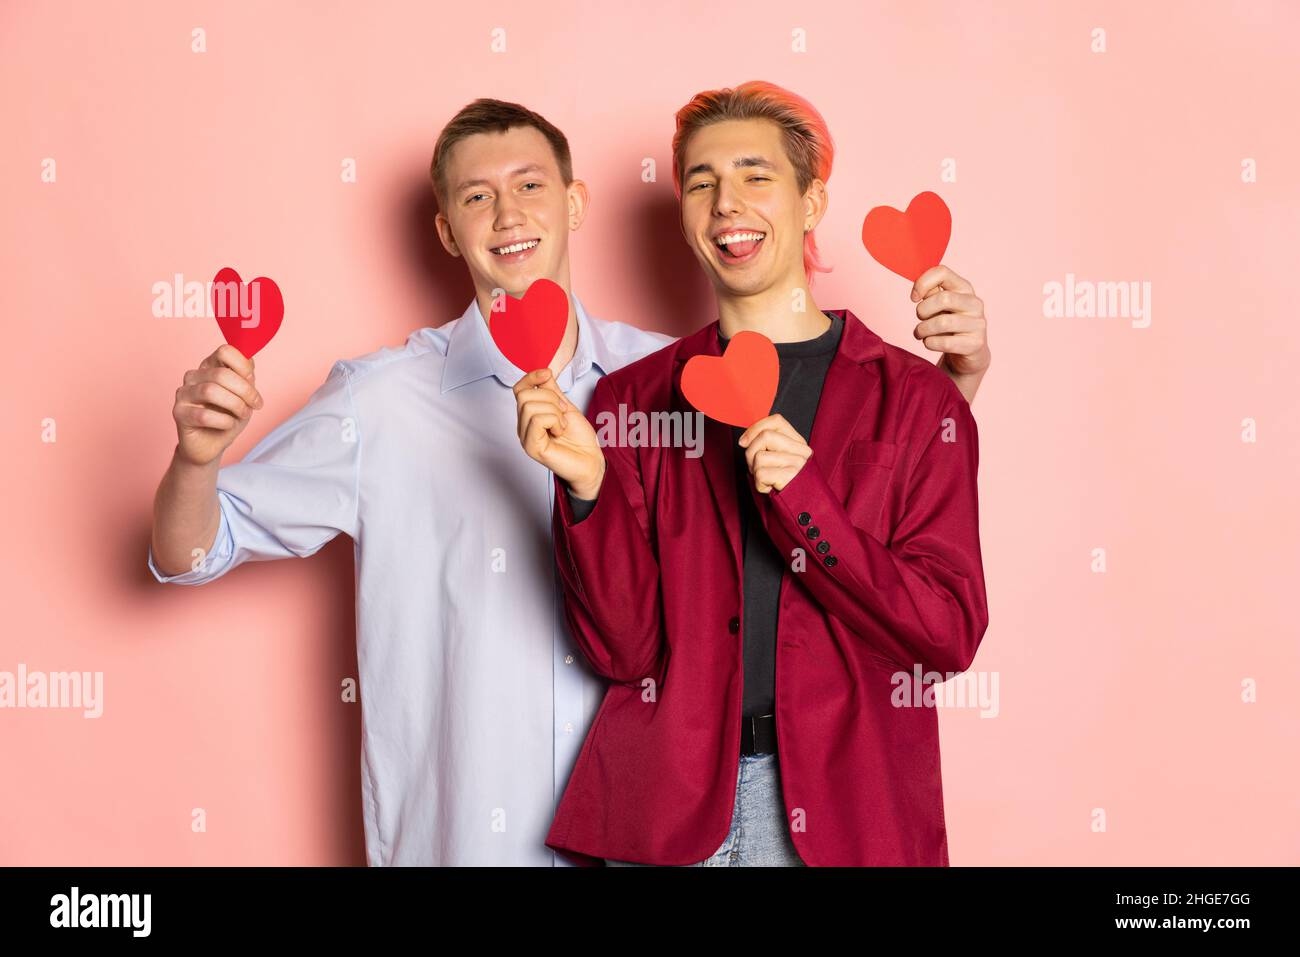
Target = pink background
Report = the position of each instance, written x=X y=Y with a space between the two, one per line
x=1118 y=691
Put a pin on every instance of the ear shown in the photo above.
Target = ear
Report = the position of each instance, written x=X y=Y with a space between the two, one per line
x=815 y=202
x=578 y=198
x=448 y=238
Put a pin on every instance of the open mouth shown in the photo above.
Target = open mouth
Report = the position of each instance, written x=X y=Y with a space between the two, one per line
x=738 y=247
x=516 y=252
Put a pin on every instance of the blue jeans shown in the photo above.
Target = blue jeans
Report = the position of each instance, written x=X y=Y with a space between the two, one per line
x=760 y=833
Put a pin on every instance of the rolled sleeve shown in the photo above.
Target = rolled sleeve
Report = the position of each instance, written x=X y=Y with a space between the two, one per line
x=206 y=567
x=297 y=489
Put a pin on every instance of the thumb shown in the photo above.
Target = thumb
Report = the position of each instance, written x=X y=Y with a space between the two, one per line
x=551 y=384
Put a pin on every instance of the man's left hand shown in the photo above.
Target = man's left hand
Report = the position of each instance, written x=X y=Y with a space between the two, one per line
x=774 y=452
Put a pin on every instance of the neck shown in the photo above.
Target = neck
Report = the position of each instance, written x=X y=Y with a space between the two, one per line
x=772 y=312
x=569 y=344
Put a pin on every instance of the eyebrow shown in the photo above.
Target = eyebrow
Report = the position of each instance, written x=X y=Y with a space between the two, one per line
x=739 y=162
x=530 y=168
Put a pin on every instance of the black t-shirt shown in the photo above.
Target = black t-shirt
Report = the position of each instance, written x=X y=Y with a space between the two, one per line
x=803 y=371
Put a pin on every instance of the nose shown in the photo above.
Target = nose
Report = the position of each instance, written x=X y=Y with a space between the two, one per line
x=726 y=201
x=508 y=213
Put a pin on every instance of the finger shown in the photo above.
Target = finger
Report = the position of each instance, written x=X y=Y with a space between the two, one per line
x=216 y=396
x=541 y=395
x=777 y=422
x=547 y=406
x=949 y=323
x=233 y=381
x=768 y=459
x=766 y=422
x=201 y=417
x=945 y=300
x=230 y=357
x=772 y=439
x=959 y=345
x=531 y=411
x=936 y=276
x=781 y=441
x=775 y=477
x=532 y=380
x=767 y=479
x=551 y=385
x=537 y=432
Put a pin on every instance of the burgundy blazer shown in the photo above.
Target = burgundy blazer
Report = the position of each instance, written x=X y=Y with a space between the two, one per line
x=652 y=582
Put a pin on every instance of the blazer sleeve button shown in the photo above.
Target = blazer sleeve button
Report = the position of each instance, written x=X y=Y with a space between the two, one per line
x=733 y=626
x=804 y=518
x=830 y=561
x=823 y=547
x=813 y=531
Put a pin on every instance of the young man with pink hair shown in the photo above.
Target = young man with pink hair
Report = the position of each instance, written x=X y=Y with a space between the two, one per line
x=755 y=608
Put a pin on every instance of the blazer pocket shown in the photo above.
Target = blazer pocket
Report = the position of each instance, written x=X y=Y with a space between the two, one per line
x=870 y=452
x=871 y=476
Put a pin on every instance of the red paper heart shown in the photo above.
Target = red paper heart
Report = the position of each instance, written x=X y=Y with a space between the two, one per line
x=248 y=314
x=529 y=331
x=737 y=387
x=909 y=243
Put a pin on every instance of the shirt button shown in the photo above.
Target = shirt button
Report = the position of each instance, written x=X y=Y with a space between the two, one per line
x=804 y=518
x=733 y=626
x=568 y=659
x=823 y=547
x=568 y=727
x=830 y=561
x=813 y=531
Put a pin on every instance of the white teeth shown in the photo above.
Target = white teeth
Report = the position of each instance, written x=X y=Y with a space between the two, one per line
x=516 y=248
x=727 y=238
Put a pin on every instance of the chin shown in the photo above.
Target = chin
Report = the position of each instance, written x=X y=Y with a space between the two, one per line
x=737 y=285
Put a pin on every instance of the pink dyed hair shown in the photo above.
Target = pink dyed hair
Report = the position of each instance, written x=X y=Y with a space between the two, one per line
x=808 y=143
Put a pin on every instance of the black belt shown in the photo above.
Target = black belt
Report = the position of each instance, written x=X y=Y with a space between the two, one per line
x=758 y=735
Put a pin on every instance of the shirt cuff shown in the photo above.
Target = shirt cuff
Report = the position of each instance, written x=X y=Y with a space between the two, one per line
x=211 y=566
x=581 y=507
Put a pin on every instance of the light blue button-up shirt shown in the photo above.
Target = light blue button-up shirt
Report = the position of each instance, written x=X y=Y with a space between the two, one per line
x=475 y=699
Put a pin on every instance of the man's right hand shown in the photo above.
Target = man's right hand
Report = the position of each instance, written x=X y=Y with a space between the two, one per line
x=213 y=404
x=554 y=432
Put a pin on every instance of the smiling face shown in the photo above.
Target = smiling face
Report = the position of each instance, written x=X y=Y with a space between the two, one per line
x=742 y=210
x=508 y=211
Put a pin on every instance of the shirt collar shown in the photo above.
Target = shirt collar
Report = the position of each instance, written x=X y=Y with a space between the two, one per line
x=472 y=355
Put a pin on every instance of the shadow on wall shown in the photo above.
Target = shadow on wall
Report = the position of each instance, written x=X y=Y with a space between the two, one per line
x=447 y=286
x=669 y=285
x=340 y=735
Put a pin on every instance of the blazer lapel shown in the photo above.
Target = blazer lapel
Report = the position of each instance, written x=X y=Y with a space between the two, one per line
x=718 y=453
x=848 y=392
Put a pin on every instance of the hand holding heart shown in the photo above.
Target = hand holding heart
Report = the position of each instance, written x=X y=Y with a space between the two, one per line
x=774 y=452
x=950 y=319
x=554 y=432
x=213 y=404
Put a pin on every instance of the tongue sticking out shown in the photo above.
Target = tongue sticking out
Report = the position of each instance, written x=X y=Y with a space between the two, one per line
x=743 y=248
